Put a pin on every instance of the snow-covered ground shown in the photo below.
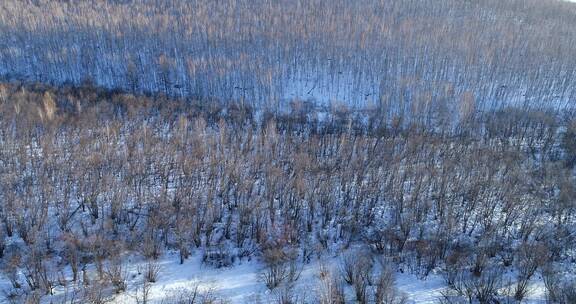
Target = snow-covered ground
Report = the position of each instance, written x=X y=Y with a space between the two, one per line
x=242 y=283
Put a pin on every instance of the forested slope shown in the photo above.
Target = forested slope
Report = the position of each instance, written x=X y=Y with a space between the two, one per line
x=89 y=176
x=406 y=56
x=430 y=139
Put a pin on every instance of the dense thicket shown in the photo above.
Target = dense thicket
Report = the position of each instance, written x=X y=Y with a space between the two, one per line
x=404 y=56
x=87 y=175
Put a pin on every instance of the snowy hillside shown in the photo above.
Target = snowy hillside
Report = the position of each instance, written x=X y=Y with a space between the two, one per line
x=267 y=53
x=287 y=152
